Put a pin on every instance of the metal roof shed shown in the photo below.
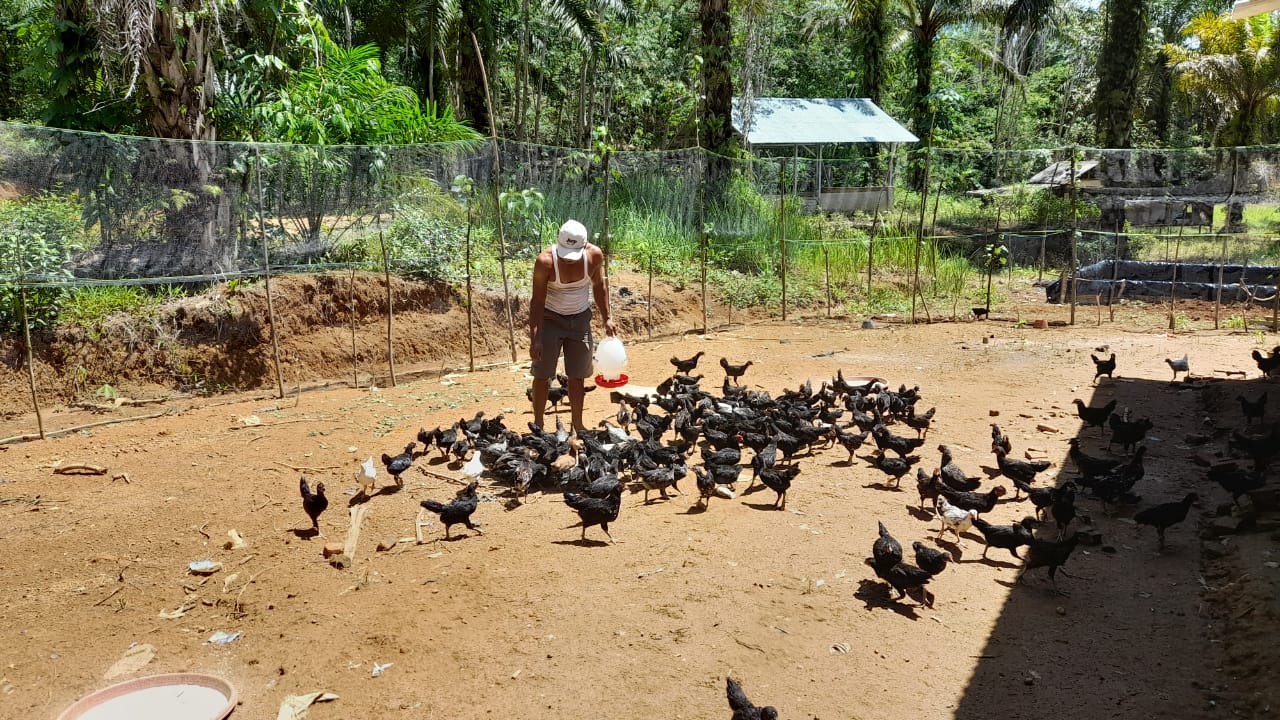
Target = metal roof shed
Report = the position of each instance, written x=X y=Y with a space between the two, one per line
x=806 y=122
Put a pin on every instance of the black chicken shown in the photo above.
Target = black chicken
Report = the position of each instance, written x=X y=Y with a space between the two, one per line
x=886 y=551
x=905 y=577
x=1000 y=440
x=896 y=467
x=1236 y=481
x=457 y=512
x=1103 y=367
x=1089 y=465
x=1094 y=417
x=1063 y=508
x=1262 y=449
x=927 y=486
x=850 y=441
x=778 y=479
x=1041 y=498
x=596 y=511
x=689 y=365
x=982 y=502
x=1253 y=410
x=1268 y=364
x=660 y=479
x=1049 y=554
x=1165 y=515
x=1128 y=432
x=313 y=503
x=886 y=440
x=920 y=423
x=1009 y=537
x=931 y=560
x=1016 y=469
x=951 y=474
x=742 y=707
x=734 y=371
x=399 y=463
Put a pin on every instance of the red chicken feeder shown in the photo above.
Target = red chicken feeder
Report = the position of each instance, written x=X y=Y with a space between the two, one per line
x=622 y=380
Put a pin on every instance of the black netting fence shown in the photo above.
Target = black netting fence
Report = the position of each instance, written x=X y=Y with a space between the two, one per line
x=864 y=229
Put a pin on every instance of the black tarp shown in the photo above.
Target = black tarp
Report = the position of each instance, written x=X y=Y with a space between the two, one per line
x=1152 y=279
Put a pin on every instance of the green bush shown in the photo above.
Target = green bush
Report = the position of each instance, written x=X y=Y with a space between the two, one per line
x=424 y=246
x=38 y=238
x=86 y=306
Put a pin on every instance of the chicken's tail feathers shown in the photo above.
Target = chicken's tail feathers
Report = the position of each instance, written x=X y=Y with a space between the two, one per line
x=433 y=506
x=304 y=487
x=386 y=459
x=737 y=699
x=574 y=500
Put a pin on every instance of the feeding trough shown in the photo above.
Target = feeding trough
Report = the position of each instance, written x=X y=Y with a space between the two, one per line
x=611 y=360
x=173 y=696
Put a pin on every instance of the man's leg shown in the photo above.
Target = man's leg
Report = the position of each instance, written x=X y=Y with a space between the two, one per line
x=576 y=393
x=540 y=387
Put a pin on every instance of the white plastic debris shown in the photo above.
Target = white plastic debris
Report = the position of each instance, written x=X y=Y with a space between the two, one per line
x=379 y=669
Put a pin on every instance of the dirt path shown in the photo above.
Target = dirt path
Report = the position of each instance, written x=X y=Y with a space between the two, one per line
x=524 y=621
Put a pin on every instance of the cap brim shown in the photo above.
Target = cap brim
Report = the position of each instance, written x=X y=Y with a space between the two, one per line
x=570 y=254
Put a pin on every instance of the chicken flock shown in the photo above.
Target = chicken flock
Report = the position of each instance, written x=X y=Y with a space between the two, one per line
x=652 y=443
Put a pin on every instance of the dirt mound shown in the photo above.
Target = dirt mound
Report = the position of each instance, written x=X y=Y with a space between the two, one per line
x=220 y=341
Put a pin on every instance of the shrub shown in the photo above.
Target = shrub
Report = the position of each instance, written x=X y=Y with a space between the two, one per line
x=38 y=238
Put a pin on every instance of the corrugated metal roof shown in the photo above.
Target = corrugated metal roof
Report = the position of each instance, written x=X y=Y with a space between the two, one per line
x=1248 y=8
x=1059 y=173
x=819 y=121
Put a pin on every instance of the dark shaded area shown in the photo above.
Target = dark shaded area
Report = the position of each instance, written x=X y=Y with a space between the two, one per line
x=1132 y=637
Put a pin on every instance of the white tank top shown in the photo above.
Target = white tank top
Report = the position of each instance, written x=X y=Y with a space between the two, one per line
x=569 y=298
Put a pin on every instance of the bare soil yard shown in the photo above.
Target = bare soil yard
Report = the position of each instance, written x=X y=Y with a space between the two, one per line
x=525 y=621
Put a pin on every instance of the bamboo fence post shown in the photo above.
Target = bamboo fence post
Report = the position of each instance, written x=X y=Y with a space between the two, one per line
x=924 y=207
x=702 y=237
x=1173 y=281
x=649 y=319
x=266 y=261
x=782 y=232
x=1075 y=231
x=391 y=311
x=31 y=363
x=826 y=261
x=606 y=243
x=471 y=348
x=1217 y=297
x=1115 y=263
x=351 y=304
x=497 y=202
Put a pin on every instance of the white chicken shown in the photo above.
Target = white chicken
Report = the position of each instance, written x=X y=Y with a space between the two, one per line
x=1179 y=366
x=366 y=476
x=474 y=467
x=954 y=519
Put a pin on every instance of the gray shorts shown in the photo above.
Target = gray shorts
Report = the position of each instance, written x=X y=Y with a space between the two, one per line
x=573 y=334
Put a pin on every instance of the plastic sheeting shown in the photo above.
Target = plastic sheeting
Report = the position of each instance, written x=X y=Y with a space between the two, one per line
x=1103 y=281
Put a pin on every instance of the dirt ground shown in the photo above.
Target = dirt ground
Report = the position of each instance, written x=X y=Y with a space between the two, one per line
x=524 y=620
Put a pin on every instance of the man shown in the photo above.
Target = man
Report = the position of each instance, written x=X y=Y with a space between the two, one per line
x=565 y=277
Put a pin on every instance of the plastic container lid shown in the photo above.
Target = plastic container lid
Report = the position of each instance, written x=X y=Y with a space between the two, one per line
x=173 y=696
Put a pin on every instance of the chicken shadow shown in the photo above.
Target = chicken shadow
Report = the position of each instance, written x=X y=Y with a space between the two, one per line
x=876 y=594
x=883 y=486
x=580 y=542
x=362 y=497
x=920 y=513
x=957 y=552
x=305 y=533
x=762 y=506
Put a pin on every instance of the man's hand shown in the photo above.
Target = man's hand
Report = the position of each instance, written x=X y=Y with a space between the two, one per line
x=535 y=347
x=610 y=329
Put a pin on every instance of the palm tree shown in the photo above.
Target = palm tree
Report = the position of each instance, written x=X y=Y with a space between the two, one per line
x=1169 y=17
x=717 y=41
x=1237 y=67
x=925 y=20
x=442 y=30
x=1118 y=64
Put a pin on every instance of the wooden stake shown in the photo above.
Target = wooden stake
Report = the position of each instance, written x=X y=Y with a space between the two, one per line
x=391 y=310
x=497 y=192
x=31 y=363
x=649 y=321
x=351 y=300
x=266 y=262
x=471 y=348
x=782 y=234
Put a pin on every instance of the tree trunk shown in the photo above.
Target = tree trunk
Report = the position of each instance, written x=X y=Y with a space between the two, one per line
x=717 y=79
x=1118 y=65
x=470 y=75
x=1161 y=111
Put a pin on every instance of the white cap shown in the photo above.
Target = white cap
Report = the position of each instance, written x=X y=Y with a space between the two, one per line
x=571 y=241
